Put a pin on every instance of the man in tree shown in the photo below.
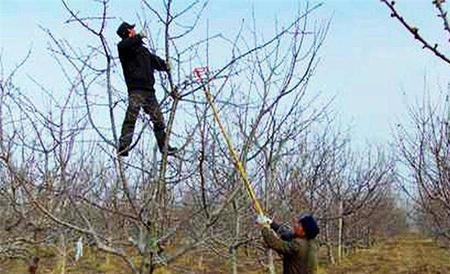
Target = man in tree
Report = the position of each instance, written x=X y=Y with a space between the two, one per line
x=138 y=66
x=298 y=247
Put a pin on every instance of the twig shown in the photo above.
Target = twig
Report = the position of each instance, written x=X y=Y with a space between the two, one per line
x=415 y=32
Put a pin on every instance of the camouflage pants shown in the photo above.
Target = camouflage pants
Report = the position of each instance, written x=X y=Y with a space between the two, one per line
x=146 y=100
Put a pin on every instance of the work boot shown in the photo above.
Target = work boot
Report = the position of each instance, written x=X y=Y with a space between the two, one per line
x=170 y=150
x=161 y=140
x=122 y=151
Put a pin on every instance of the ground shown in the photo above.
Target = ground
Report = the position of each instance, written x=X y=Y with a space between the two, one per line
x=407 y=254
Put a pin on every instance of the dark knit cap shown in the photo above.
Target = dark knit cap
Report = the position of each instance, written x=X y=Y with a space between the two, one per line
x=122 y=31
x=309 y=225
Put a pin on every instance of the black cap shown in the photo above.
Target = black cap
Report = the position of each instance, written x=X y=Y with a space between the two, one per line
x=122 y=31
x=309 y=225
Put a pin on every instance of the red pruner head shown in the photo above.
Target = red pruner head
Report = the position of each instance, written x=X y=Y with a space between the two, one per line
x=199 y=72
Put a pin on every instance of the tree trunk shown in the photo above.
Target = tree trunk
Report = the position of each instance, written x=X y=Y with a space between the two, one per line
x=268 y=184
x=63 y=255
x=329 y=245
x=234 y=261
x=233 y=250
x=270 y=264
x=340 y=229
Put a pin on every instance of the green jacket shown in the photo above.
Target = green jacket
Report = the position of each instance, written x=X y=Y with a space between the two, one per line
x=299 y=255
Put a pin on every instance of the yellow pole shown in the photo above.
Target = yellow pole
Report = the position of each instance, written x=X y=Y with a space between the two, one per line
x=233 y=153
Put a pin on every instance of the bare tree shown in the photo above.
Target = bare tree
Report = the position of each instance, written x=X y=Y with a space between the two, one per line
x=423 y=141
x=424 y=147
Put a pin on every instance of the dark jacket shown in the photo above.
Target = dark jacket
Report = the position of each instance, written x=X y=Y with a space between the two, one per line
x=138 y=64
x=299 y=255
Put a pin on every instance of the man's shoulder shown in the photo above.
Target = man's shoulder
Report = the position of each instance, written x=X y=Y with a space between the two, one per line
x=131 y=47
x=121 y=42
x=304 y=243
x=299 y=241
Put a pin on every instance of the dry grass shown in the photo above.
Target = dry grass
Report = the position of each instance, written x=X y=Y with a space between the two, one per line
x=409 y=254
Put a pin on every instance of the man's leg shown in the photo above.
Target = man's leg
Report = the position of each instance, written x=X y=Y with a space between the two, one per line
x=126 y=136
x=151 y=107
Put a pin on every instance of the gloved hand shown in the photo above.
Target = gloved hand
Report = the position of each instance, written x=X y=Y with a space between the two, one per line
x=263 y=220
x=143 y=34
x=174 y=94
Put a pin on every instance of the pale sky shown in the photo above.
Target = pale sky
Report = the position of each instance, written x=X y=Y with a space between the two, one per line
x=368 y=62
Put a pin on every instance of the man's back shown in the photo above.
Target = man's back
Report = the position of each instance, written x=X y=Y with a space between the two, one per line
x=299 y=255
x=138 y=64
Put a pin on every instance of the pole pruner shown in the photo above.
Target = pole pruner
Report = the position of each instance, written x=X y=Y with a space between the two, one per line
x=198 y=72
